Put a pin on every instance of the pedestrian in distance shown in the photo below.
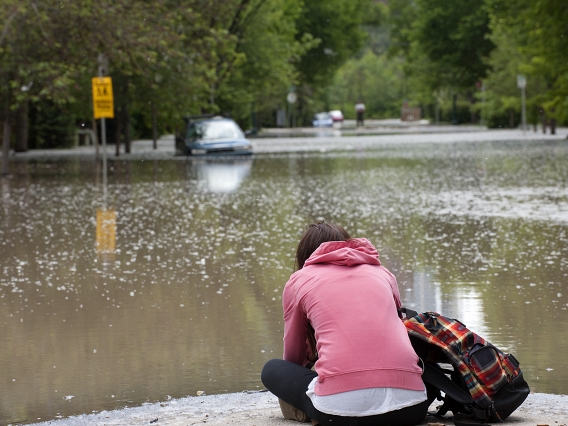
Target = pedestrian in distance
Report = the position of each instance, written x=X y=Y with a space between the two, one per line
x=341 y=317
x=359 y=110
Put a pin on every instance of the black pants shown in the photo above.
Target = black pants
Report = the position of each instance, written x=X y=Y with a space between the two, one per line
x=290 y=381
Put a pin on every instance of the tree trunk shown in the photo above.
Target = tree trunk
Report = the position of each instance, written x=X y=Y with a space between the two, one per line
x=553 y=126
x=154 y=126
x=543 y=120
x=96 y=141
x=511 y=118
x=118 y=118
x=126 y=130
x=454 y=109
x=22 y=128
x=6 y=139
x=472 y=114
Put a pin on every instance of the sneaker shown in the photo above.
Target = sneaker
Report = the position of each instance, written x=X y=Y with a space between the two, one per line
x=292 y=413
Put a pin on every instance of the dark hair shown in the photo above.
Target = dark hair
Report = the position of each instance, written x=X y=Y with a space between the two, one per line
x=314 y=235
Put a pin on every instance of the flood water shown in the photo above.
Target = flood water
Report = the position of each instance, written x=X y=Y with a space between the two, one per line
x=169 y=282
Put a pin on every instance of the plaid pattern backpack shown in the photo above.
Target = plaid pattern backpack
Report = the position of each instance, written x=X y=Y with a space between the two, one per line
x=478 y=380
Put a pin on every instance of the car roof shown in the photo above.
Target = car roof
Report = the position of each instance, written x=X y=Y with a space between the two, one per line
x=189 y=119
x=216 y=118
x=219 y=118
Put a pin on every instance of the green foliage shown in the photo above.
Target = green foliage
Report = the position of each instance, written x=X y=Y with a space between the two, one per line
x=176 y=58
x=377 y=80
x=449 y=46
x=270 y=51
x=500 y=101
x=336 y=24
x=538 y=29
x=445 y=46
x=51 y=126
x=452 y=35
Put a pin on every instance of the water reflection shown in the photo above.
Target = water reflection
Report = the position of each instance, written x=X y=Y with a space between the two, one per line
x=4 y=184
x=424 y=294
x=223 y=175
x=106 y=235
x=192 y=301
x=329 y=132
x=464 y=303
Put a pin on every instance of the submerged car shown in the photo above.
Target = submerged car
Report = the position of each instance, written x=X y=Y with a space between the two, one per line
x=213 y=136
x=322 y=119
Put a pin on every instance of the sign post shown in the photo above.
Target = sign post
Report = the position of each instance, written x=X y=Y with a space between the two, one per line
x=291 y=98
x=103 y=107
x=521 y=84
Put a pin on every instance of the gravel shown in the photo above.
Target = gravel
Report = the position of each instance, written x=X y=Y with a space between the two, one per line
x=261 y=409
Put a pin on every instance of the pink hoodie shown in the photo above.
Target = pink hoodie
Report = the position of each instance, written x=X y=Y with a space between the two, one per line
x=351 y=302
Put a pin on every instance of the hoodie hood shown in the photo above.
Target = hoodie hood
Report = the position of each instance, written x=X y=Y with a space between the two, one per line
x=356 y=251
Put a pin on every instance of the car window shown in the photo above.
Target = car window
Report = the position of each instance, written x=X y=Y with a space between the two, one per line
x=209 y=130
x=322 y=116
x=194 y=132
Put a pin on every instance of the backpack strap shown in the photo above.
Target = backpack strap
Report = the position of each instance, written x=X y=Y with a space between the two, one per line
x=477 y=417
x=436 y=377
x=408 y=312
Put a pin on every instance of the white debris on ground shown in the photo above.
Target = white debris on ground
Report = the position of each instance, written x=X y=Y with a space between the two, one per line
x=261 y=409
x=210 y=409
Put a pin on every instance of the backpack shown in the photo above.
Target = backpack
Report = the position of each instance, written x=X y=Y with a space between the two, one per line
x=479 y=381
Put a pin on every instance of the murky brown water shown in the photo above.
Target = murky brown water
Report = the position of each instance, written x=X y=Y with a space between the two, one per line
x=190 y=299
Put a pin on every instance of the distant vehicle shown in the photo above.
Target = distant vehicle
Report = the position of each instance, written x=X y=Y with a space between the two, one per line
x=212 y=136
x=336 y=116
x=323 y=119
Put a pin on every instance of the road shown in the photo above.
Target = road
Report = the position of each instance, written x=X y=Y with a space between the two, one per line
x=319 y=140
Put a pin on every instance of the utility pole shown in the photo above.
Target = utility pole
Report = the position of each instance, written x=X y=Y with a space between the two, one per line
x=291 y=98
x=483 y=103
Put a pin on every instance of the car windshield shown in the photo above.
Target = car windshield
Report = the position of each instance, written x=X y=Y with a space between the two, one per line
x=322 y=116
x=209 y=130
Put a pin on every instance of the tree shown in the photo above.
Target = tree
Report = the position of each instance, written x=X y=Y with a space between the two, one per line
x=270 y=52
x=502 y=97
x=453 y=35
x=51 y=50
x=377 y=80
x=445 y=44
x=538 y=29
x=336 y=28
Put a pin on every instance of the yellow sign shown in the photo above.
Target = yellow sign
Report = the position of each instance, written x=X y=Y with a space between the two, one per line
x=103 y=103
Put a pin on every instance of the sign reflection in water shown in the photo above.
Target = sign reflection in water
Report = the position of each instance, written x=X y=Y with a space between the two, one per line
x=106 y=234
